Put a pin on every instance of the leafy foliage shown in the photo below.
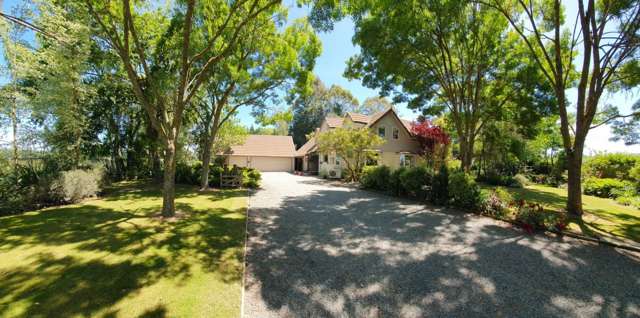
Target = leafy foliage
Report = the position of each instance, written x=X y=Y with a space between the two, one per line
x=439 y=193
x=607 y=187
x=416 y=181
x=376 y=177
x=354 y=146
x=611 y=165
x=463 y=191
x=74 y=185
x=433 y=141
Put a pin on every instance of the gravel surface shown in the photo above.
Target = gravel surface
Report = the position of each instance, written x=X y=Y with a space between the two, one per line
x=316 y=250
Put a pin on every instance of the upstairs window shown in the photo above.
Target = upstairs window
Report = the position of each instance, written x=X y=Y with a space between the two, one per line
x=396 y=133
x=382 y=132
x=326 y=158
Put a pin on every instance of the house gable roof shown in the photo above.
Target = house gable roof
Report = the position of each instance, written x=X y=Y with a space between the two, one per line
x=379 y=115
x=264 y=146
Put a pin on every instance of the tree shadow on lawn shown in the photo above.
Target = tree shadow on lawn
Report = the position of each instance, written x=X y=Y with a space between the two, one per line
x=100 y=255
x=623 y=224
x=355 y=253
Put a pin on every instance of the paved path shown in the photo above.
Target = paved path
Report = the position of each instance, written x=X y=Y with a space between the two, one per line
x=323 y=251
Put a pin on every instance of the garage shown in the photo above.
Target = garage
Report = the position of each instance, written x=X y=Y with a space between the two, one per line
x=263 y=163
x=264 y=153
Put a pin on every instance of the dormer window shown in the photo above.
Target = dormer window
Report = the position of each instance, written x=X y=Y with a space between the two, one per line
x=382 y=132
x=396 y=133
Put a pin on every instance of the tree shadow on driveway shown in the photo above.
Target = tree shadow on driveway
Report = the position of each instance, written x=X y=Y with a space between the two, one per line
x=344 y=252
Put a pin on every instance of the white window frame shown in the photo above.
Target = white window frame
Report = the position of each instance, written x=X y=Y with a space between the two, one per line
x=404 y=161
x=384 y=131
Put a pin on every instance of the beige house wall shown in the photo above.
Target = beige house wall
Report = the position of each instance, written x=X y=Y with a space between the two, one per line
x=404 y=143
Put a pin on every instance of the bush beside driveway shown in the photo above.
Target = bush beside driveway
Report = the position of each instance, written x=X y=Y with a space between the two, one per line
x=318 y=250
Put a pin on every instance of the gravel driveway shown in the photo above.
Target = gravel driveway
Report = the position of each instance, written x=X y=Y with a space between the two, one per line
x=316 y=250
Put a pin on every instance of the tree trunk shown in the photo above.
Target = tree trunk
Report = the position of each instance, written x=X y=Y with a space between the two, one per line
x=169 y=184
x=574 y=199
x=466 y=154
x=14 y=122
x=206 y=159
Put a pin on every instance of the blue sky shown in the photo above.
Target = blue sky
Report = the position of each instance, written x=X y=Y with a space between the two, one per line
x=338 y=47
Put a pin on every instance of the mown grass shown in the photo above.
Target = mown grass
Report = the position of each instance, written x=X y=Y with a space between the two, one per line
x=113 y=257
x=602 y=216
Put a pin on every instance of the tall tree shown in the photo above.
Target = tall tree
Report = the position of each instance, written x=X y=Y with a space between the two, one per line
x=266 y=65
x=309 y=110
x=372 y=105
x=446 y=56
x=169 y=53
x=340 y=100
x=607 y=32
x=55 y=68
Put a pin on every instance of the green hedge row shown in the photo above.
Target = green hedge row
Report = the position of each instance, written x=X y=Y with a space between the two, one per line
x=442 y=187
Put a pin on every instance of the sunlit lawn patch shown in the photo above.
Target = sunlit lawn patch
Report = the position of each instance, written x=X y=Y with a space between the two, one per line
x=603 y=216
x=114 y=257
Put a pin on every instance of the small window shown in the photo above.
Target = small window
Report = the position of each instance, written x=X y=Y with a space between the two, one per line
x=405 y=160
x=326 y=158
x=396 y=132
x=382 y=132
x=337 y=160
x=372 y=161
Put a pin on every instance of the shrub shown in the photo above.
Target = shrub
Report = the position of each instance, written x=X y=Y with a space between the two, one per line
x=214 y=175
x=520 y=181
x=188 y=173
x=439 y=193
x=415 y=180
x=26 y=187
x=611 y=165
x=629 y=200
x=605 y=188
x=251 y=178
x=464 y=191
x=75 y=185
x=376 y=177
x=497 y=203
x=395 y=183
x=530 y=216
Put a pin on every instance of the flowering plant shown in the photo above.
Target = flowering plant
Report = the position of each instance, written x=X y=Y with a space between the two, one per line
x=530 y=216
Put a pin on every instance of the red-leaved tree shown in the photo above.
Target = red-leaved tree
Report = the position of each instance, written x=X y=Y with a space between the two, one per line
x=433 y=141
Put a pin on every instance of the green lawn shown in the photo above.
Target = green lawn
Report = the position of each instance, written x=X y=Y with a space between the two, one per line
x=602 y=216
x=113 y=257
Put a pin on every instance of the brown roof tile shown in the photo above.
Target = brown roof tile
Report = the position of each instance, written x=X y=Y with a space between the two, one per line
x=309 y=146
x=334 y=122
x=265 y=146
x=359 y=118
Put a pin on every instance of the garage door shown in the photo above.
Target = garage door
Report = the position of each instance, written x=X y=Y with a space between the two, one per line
x=263 y=163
